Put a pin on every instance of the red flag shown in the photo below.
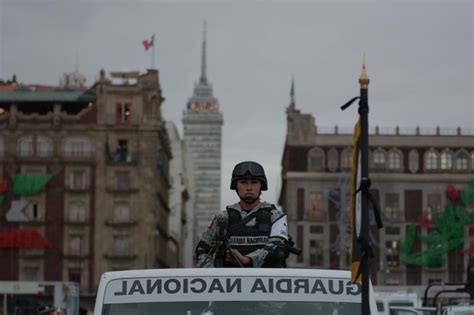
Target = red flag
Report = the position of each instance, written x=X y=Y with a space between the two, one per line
x=149 y=43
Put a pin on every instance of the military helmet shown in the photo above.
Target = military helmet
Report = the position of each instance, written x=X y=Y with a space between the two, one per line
x=248 y=170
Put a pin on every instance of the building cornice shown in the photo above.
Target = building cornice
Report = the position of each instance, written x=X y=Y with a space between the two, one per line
x=383 y=177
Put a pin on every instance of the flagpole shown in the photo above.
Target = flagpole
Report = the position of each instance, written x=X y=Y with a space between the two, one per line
x=365 y=184
x=153 y=55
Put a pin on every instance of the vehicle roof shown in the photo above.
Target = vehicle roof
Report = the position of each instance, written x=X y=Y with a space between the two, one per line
x=281 y=272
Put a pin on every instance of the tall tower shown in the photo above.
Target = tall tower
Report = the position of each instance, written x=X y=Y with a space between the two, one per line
x=202 y=122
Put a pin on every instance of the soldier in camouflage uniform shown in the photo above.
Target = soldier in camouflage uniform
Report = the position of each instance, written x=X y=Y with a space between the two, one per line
x=256 y=231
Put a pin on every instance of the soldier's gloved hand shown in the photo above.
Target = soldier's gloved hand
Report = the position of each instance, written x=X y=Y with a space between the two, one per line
x=231 y=257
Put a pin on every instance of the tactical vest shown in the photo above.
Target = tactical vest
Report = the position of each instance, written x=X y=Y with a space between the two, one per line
x=247 y=239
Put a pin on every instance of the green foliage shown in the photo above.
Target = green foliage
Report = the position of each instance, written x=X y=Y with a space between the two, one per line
x=446 y=235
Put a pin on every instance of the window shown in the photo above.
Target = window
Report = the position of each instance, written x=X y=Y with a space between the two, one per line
x=316 y=229
x=413 y=161
x=77 y=179
x=2 y=147
x=25 y=146
x=121 y=153
x=394 y=160
x=75 y=245
x=299 y=241
x=392 y=253
x=44 y=146
x=121 y=213
x=433 y=202
x=121 y=245
x=379 y=158
x=333 y=159
x=431 y=160
x=446 y=160
x=393 y=230
x=316 y=206
x=30 y=274
x=77 y=212
x=300 y=204
x=123 y=113
x=346 y=159
x=461 y=161
x=316 y=159
x=392 y=206
x=122 y=180
x=74 y=275
x=77 y=147
x=316 y=253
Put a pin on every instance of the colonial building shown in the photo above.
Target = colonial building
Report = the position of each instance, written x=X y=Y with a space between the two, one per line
x=202 y=122
x=410 y=171
x=88 y=170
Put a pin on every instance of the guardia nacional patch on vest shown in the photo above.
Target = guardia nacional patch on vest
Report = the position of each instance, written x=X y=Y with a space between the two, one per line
x=248 y=240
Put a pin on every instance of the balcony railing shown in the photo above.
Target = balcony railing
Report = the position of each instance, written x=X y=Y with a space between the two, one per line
x=73 y=255
x=120 y=223
x=78 y=188
x=77 y=222
x=121 y=157
x=121 y=190
x=34 y=222
x=120 y=256
x=32 y=253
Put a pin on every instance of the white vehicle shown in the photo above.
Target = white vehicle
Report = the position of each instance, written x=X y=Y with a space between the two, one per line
x=458 y=310
x=387 y=300
x=229 y=291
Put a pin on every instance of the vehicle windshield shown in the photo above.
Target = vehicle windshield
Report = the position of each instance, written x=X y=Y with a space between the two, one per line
x=233 y=308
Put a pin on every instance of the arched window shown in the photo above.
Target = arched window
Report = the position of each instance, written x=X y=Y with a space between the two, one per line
x=77 y=211
x=472 y=160
x=333 y=159
x=413 y=161
x=431 y=160
x=346 y=159
x=25 y=146
x=75 y=245
x=77 y=147
x=395 y=159
x=44 y=146
x=121 y=212
x=316 y=159
x=379 y=158
x=446 y=160
x=461 y=160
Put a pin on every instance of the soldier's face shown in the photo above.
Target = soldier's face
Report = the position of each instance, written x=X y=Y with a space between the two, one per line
x=249 y=188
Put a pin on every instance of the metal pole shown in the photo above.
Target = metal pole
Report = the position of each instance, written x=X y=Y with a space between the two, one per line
x=5 y=304
x=153 y=56
x=364 y=230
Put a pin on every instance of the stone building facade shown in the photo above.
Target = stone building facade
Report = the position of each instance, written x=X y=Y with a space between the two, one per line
x=181 y=201
x=409 y=170
x=105 y=205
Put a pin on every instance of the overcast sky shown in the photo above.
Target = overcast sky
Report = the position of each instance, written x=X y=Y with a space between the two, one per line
x=419 y=57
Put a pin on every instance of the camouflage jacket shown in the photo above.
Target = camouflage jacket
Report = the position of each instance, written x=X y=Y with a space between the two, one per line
x=278 y=235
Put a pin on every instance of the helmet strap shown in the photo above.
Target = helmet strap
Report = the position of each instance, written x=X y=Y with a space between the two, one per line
x=247 y=200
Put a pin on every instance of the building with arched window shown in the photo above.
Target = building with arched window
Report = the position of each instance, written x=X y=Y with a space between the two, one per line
x=409 y=175
x=88 y=169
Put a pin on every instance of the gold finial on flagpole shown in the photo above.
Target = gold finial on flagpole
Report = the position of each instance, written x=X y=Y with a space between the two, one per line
x=364 y=78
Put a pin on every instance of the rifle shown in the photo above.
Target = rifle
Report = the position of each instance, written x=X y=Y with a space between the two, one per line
x=290 y=249
x=220 y=246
